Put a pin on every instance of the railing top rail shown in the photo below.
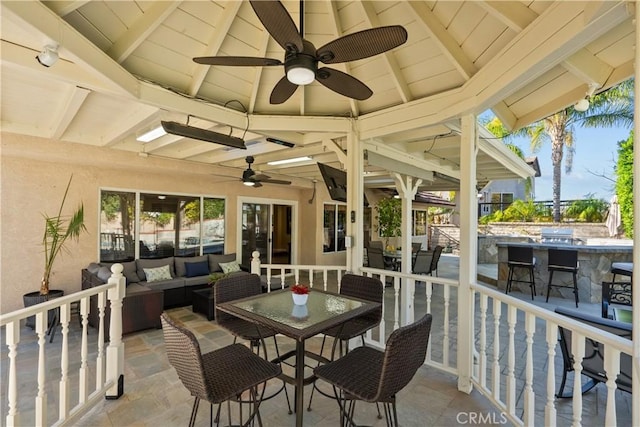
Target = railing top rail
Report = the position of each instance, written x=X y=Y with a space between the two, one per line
x=417 y=277
x=54 y=303
x=302 y=267
x=601 y=336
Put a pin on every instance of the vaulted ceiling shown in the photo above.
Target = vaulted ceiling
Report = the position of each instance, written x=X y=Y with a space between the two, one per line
x=126 y=65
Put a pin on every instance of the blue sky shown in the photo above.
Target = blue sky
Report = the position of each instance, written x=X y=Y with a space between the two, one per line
x=595 y=151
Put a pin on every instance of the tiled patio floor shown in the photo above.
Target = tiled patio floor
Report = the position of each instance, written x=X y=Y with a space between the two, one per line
x=154 y=395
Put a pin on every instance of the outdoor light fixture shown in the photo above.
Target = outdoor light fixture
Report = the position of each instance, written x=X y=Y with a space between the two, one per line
x=152 y=134
x=583 y=104
x=301 y=70
x=48 y=56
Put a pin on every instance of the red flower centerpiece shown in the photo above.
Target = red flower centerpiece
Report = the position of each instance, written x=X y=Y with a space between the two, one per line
x=300 y=293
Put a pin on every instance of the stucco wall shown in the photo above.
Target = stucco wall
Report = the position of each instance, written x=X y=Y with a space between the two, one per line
x=34 y=174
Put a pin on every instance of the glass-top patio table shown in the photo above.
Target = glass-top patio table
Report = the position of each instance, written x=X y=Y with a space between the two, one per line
x=276 y=310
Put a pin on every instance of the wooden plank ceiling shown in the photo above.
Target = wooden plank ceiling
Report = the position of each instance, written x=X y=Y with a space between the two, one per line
x=126 y=65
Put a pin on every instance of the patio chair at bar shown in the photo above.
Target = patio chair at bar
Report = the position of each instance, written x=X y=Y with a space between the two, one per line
x=351 y=376
x=219 y=376
x=237 y=287
x=363 y=287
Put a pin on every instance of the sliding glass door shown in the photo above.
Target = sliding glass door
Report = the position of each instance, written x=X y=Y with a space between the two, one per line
x=266 y=228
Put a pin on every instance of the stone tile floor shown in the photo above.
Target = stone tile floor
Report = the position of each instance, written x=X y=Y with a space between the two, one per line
x=154 y=395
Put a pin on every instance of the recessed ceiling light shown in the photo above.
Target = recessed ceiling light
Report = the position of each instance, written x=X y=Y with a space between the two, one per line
x=152 y=134
x=292 y=160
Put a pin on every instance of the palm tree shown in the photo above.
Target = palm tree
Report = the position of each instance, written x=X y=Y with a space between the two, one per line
x=613 y=107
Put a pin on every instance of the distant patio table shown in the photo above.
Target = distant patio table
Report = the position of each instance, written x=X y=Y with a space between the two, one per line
x=276 y=310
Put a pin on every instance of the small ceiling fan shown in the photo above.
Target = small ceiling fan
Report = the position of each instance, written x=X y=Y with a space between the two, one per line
x=253 y=179
x=301 y=57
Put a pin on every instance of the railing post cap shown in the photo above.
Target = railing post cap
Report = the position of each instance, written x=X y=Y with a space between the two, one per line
x=117 y=268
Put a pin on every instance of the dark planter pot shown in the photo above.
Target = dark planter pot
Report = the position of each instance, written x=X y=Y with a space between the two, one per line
x=33 y=298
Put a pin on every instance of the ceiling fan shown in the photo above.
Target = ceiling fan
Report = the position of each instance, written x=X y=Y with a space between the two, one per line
x=253 y=179
x=301 y=57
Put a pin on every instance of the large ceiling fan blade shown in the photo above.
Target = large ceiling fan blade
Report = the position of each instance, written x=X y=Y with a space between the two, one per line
x=278 y=181
x=278 y=23
x=261 y=177
x=282 y=91
x=257 y=184
x=362 y=44
x=237 y=61
x=343 y=83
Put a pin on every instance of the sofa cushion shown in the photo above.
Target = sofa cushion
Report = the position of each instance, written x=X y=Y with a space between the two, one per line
x=216 y=259
x=157 y=274
x=180 y=262
x=93 y=268
x=200 y=268
x=229 y=267
x=129 y=271
x=104 y=273
x=154 y=263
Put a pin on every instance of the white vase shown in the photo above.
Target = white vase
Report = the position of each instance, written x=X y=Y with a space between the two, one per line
x=300 y=311
x=300 y=299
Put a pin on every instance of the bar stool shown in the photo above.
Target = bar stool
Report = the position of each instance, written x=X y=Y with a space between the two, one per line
x=521 y=257
x=563 y=260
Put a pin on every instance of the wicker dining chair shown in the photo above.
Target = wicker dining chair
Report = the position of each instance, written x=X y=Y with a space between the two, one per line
x=371 y=375
x=243 y=286
x=367 y=288
x=219 y=376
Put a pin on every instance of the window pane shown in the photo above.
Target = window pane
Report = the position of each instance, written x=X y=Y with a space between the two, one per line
x=329 y=243
x=117 y=226
x=213 y=230
x=168 y=225
x=342 y=227
x=419 y=223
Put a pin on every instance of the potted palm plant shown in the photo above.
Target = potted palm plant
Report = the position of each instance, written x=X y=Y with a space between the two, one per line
x=58 y=230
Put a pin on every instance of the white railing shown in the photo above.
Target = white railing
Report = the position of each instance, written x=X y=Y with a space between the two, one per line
x=521 y=357
x=107 y=365
x=421 y=293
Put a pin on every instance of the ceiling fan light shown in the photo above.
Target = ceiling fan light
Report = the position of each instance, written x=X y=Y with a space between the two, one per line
x=582 y=105
x=249 y=183
x=300 y=75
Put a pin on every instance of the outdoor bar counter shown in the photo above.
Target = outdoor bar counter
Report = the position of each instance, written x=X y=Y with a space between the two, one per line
x=594 y=268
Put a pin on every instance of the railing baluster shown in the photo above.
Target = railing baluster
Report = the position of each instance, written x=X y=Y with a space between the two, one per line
x=577 y=349
x=65 y=317
x=612 y=368
x=396 y=293
x=83 y=392
x=13 y=338
x=483 y=341
x=41 y=398
x=529 y=395
x=428 y=289
x=100 y=362
x=552 y=341
x=445 y=339
x=511 y=377
x=495 y=370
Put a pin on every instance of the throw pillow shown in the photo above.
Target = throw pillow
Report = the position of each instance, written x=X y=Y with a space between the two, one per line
x=230 y=267
x=194 y=269
x=157 y=274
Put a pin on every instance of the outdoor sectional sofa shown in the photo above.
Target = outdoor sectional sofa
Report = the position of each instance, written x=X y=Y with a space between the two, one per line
x=146 y=297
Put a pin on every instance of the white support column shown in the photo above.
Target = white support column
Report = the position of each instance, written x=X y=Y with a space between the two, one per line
x=115 y=350
x=468 y=251
x=635 y=377
x=355 y=201
x=407 y=190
